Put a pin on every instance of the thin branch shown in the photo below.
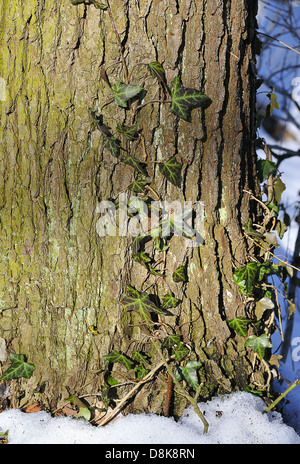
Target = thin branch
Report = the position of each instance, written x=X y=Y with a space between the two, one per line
x=280 y=397
x=277 y=40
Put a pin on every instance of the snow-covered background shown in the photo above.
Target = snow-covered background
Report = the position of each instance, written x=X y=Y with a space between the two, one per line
x=235 y=418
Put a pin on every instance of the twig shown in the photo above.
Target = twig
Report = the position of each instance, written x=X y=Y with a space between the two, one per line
x=280 y=397
x=132 y=392
x=282 y=43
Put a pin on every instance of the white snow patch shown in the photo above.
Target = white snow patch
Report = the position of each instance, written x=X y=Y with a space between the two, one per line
x=234 y=419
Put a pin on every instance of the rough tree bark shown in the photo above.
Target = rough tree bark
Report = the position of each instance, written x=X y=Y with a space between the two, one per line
x=57 y=276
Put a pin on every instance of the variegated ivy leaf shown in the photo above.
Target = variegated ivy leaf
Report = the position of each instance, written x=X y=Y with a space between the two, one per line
x=170 y=341
x=179 y=275
x=180 y=351
x=130 y=132
x=157 y=71
x=239 y=324
x=136 y=164
x=113 y=145
x=141 y=257
x=189 y=373
x=124 y=92
x=259 y=344
x=184 y=100
x=171 y=169
x=140 y=302
x=19 y=368
x=98 y=119
x=169 y=301
x=138 y=186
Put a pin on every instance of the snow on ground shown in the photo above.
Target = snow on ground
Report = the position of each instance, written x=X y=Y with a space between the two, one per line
x=236 y=418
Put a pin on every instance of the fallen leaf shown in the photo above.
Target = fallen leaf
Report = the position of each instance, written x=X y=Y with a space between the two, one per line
x=34 y=407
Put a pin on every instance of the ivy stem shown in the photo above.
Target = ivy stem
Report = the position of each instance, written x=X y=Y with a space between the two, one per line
x=280 y=397
x=181 y=390
x=119 y=42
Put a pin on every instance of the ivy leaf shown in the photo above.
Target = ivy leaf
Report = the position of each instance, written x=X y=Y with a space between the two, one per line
x=278 y=188
x=124 y=92
x=157 y=71
x=262 y=305
x=180 y=351
x=184 y=100
x=171 y=169
x=245 y=277
x=141 y=358
x=259 y=344
x=265 y=168
x=115 y=357
x=113 y=145
x=141 y=257
x=141 y=371
x=140 y=302
x=19 y=368
x=189 y=373
x=130 y=132
x=239 y=324
x=98 y=119
x=273 y=103
x=99 y=6
x=136 y=164
x=169 y=301
x=170 y=341
x=138 y=186
x=179 y=275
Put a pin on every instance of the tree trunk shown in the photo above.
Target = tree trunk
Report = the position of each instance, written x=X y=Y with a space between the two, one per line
x=58 y=276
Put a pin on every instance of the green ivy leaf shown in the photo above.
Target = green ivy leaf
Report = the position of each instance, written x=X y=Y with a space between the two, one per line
x=19 y=368
x=179 y=275
x=170 y=341
x=140 y=302
x=189 y=373
x=171 y=169
x=113 y=145
x=157 y=71
x=130 y=132
x=239 y=324
x=184 y=100
x=141 y=371
x=245 y=277
x=99 y=6
x=265 y=168
x=98 y=120
x=136 y=164
x=140 y=357
x=169 y=301
x=180 y=351
x=138 y=186
x=142 y=258
x=124 y=92
x=115 y=357
x=259 y=344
